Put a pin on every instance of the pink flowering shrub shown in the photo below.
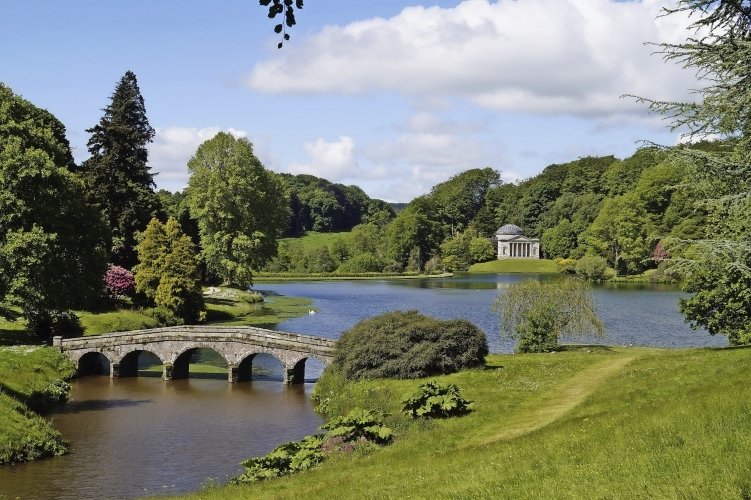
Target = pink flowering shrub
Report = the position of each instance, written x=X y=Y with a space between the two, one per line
x=119 y=282
x=660 y=253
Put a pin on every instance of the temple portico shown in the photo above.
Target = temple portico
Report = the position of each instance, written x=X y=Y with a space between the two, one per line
x=512 y=244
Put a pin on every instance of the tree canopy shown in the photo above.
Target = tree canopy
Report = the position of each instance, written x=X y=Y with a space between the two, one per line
x=241 y=207
x=117 y=174
x=51 y=239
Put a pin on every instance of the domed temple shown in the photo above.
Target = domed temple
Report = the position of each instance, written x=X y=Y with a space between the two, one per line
x=512 y=244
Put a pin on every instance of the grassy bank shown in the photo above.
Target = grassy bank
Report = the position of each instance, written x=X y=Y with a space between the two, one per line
x=32 y=379
x=532 y=266
x=610 y=423
x=226 y=305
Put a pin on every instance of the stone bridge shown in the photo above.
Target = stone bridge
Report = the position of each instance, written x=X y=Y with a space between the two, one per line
x=174 y=346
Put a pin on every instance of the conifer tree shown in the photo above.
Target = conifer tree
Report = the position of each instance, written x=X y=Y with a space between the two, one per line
x=717 y=269
x=117 y=175
x=167 y=274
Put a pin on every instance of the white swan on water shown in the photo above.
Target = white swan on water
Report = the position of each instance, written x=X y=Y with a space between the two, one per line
x=311 y=312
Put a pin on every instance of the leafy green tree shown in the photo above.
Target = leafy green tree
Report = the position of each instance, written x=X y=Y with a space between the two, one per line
x=361 y=263
x=167 y=272
x=591 y=267
x=481 y=250
x=412 y=229
x=458 y=200
x=539 y=314
x=719 y=175
x=51 y=240
x=560 y=241
x=620 y=233
x=117 y=175
x=241 y=207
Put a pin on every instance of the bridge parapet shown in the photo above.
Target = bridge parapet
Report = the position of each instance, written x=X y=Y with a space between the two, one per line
x=174 y=345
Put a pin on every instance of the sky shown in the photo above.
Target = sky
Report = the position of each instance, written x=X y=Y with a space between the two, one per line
x=394 y=96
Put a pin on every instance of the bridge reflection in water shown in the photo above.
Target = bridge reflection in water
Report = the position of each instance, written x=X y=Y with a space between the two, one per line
x=174 y=347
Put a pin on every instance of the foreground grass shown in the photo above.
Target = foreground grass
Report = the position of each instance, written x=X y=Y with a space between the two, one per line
x=624 y=423
x=31 y=379
x=532 y=266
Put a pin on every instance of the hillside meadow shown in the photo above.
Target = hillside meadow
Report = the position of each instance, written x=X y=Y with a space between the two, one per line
x=595 y=422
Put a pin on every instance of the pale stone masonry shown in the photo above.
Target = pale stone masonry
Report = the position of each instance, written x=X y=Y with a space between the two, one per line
x=512 y=244
x=175 y=345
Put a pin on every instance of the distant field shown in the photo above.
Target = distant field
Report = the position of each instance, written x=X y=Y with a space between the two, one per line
x=317 y=240
x=515 y=266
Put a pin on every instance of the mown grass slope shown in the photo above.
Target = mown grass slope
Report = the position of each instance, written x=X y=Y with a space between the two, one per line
x=532 y=266
x=619 y=423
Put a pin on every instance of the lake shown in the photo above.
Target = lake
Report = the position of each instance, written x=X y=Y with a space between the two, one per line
x=137 y=436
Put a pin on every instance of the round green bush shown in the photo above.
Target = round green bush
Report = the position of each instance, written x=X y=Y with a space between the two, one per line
x=591 y=267
x=407 y=345
x=363 y=263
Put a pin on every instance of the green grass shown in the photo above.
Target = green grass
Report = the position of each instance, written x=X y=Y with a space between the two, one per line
x=115 y=321
x=618 y=423
x=227 y=306
x=312 y=239
x=31 y=377
x=532 y=266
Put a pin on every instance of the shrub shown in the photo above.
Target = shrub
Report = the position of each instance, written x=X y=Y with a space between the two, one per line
x=359 y=428
x=47 y=324
x=409 y=345
x=433 y=400
x=537 y=331
x=119 y=282
x=434 y=266
x=591 y=267
x=565 y=265
x=363 y=263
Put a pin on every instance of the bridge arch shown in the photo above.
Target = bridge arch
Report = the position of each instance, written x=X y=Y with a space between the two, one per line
x=127 y=364
x=297 y=370
x=237 y=345
x=182 y=360
x=93 y=363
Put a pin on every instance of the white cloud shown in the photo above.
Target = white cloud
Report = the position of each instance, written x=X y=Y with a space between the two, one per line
x=333 y=161
x=174 y=146
x=541 y=56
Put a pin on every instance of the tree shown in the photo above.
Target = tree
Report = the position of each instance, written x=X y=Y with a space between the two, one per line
x=117 y=175
x=559 y=241
x=241 y=207
x=51 y=240
x=620 y=233
x=167 y=273
x=411 y=230
x=716 y=269
x=539 y=314
x=481 y=250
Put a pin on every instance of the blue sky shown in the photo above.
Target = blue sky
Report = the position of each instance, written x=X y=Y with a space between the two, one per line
x=394 y=96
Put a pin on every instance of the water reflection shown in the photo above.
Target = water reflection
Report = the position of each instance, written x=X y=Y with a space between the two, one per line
x=142 y=435
x=633 y=313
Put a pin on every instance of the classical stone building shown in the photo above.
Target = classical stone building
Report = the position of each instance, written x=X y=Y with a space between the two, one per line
x=512 y=244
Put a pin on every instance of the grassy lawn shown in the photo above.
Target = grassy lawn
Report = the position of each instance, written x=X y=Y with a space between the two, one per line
x=30 y=378
x=610 y=423
x=532 y=266
x=316 y=240
x=227 y=305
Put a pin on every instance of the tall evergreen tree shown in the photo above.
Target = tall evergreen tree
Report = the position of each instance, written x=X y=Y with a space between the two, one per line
x=117 y=175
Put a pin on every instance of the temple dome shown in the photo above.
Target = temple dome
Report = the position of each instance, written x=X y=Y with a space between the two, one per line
x=510 y=229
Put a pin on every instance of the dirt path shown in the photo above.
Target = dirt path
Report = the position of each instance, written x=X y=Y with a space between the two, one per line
x=554 y=404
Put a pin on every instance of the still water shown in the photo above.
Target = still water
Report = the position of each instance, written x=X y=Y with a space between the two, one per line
x=137 y=436
x=639 y=314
